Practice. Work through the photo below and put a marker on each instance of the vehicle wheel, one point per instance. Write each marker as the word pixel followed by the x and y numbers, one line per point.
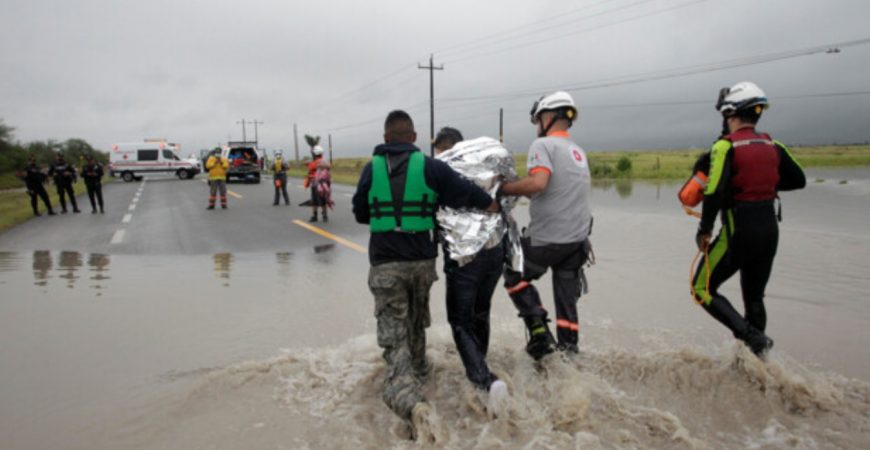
pixel 190 175
pixel 182 174
pixel 127 176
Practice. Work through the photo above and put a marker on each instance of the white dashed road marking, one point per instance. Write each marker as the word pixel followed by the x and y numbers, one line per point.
pixel 127 218
pixel 118 237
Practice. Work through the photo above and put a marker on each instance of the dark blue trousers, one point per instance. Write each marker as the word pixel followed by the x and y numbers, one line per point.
pixel 469 299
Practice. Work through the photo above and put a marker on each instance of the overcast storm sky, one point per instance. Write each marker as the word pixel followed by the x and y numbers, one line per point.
pixel 644 73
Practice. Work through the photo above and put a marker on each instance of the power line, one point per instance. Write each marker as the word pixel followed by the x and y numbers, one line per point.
pixel 585 30
pixel 501 36
pixel 671 73
pixel 616 106
pixel 452 49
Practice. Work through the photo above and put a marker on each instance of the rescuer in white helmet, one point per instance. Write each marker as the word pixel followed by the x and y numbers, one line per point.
pixel 558 184
pixel 747 170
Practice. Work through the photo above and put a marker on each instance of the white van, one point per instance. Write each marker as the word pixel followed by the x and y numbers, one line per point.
pixel 132 160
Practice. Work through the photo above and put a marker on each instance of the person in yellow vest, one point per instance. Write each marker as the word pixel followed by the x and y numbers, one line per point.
pixel 279 176
pixel 397 196
pixel 217 166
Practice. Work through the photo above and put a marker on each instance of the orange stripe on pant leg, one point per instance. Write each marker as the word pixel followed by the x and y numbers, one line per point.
pixel 519 287
pixel 562 323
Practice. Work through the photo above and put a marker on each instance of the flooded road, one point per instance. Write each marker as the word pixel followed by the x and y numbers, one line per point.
pixel 276 349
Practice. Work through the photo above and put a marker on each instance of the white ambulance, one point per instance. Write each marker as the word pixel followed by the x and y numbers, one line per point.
pixel 130 161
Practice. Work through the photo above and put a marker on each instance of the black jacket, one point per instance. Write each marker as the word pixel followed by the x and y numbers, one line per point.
pixel 92 174
pixel 453 191
pixel 34 178
pixel 63 173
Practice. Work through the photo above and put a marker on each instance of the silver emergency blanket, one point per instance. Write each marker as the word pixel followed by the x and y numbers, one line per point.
pixel 488 164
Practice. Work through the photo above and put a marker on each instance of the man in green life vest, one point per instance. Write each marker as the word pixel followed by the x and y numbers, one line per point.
pixel 397 196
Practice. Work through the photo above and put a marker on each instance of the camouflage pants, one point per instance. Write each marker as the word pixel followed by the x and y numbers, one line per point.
pixel 401 291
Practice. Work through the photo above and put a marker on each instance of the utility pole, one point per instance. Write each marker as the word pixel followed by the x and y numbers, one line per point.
pixel 330 149
pixel 296 142
pixel 501 125
pixel 431 68
pixel 256 135
pixel 244 135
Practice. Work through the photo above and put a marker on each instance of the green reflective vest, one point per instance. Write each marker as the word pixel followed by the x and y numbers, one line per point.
pixel 417 208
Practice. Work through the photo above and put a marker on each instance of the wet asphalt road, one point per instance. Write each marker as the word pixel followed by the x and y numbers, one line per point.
pixel 164 215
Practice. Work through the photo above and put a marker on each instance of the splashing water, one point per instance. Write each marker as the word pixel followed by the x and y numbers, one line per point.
pixel 650 397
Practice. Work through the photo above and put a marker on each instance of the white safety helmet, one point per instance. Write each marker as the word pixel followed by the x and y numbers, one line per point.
pixel 743 95
pixel 557 101
pixel 318 150
pixel 278 154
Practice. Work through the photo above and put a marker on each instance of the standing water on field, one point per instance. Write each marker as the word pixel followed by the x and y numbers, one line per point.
pixel 259 350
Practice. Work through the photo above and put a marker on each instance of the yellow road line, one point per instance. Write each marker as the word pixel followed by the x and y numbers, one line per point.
pixel 329 235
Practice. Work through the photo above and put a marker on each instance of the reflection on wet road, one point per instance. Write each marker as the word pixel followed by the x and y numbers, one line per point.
pixel 70 264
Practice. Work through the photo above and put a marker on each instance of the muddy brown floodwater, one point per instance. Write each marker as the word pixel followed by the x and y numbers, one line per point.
pixel 265 350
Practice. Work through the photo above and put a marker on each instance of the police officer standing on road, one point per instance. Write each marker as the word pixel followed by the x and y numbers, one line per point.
pixel 747 170
pixel 279 169
pixel 558 184
pixel 397 195
pixel 34 179
pixel 92 173
pixel 64 175
pixel 217 167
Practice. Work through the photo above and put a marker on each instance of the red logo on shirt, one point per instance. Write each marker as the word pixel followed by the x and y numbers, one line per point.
pixel 577 155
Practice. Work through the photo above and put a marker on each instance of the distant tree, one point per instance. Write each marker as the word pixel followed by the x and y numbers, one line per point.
pixel 5 133
pixel 12 156
pixel 623 165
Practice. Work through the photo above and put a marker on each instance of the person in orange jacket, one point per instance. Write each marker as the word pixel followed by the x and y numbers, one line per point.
pixel 316 198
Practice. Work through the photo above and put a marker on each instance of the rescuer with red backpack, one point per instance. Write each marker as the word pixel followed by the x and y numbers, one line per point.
pixel 746 171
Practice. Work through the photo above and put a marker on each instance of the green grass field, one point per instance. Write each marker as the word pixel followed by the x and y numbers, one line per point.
pixel 15 204
pixel 645 165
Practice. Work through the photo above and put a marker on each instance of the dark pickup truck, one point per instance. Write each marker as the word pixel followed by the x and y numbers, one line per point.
pixel 246 163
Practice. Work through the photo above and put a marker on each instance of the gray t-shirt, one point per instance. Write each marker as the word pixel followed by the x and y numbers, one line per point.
pixel 560 214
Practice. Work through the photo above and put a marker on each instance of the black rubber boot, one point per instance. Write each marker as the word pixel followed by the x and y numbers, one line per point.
pixel 722 310
pixel 540 339
pixel 757 341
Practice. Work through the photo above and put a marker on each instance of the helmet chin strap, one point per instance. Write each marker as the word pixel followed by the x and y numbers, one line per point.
pixel 543 132
pixel 725 130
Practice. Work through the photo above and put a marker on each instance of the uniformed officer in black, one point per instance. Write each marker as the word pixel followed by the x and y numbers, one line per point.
pixel 34 179
pixel 92 173
pixel 64 175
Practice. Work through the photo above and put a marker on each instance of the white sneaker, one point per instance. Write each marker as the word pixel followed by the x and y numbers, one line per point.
pixel 498 396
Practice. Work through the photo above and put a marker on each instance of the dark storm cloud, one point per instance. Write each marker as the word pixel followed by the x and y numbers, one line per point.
pixel 111 71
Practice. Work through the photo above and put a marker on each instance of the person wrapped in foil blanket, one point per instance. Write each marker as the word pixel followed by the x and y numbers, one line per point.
pixel 488 164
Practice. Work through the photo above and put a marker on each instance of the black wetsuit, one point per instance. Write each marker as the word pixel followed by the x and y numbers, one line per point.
pixel 747 170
